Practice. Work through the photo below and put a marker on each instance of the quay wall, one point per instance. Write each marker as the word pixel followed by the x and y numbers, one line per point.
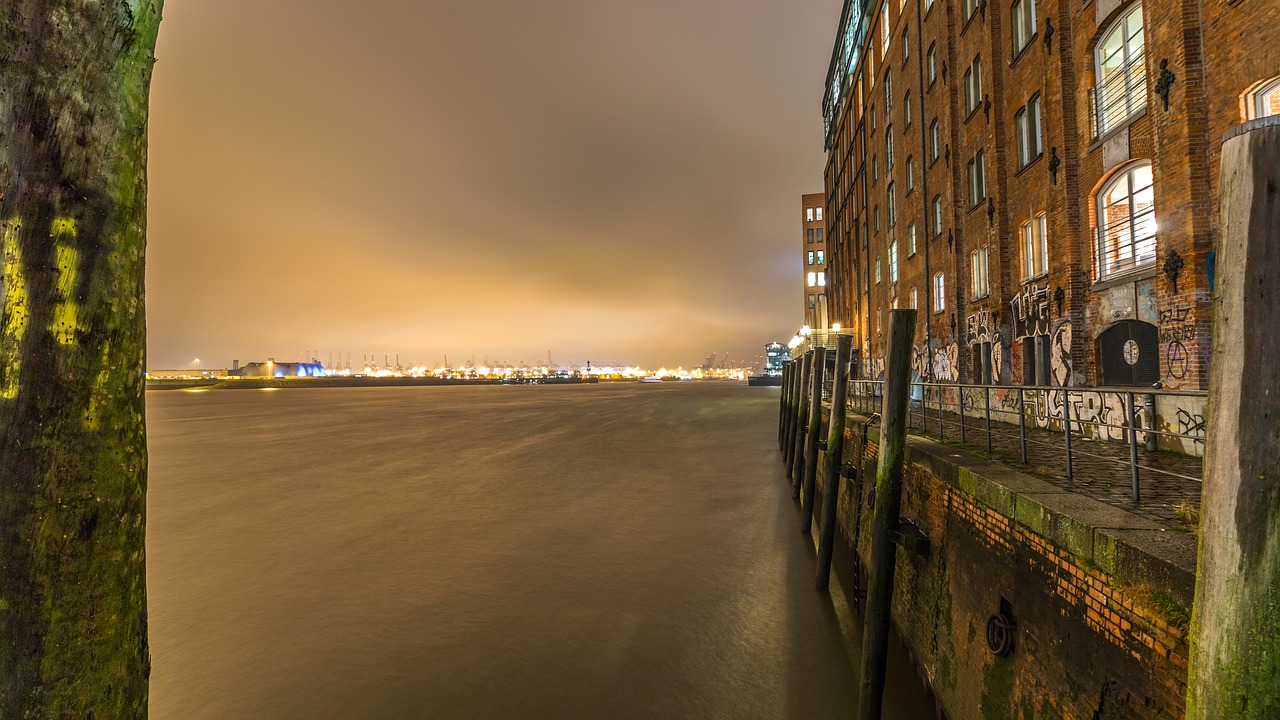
pixel 1098 598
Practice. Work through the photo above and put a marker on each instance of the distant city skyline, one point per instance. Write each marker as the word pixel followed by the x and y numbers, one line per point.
pixel 604 180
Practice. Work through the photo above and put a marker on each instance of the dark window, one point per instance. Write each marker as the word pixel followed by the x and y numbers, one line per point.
pixel 1035 360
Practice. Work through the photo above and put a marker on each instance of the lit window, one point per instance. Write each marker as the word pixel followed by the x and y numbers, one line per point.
pixel 1265 101
pixel 884 27
pixel 822 279
pixel 808 214
pixel 877 269
pixel 937 215
pixel 973 86
pixel 1127 221
pixel 813 279
pixel 1121 73
pixel 1024 23
pixel 893 261
pixel 1027 125
pixel 906 108
pixel 933 63
pixel 1035 247
pixel 939 293
pixel 818 212
pixel 978 269
pixel 934 141
pixel 812 300
pixel 914 299
pixel 810 257
pixel 911 175
pixel 977 180
pixel 820 260
pixel 892 206
pixel 911 239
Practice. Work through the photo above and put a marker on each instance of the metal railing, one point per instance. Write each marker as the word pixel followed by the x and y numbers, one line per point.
pixel 1119 96
pixel 1071 423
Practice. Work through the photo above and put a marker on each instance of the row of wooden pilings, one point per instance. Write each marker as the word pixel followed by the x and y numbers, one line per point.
pixel 799 430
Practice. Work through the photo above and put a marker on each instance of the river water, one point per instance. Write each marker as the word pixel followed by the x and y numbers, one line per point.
pixel 593 551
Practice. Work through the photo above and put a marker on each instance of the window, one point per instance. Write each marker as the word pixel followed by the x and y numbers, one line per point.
pixel 818 235
pixel 911 177
pixel 818 214
pixel 977 180
pixel 932 63
pixel 875 217
pixel 822 279
pixel 1121 73
pixel 906 108
pixel 906 51
pixel 1265 101
pixel 812 279
pixel 973 86
pixel 914 299
pixel 933 141
pixel 937 215
pixel 877 269
pixel 939 293
pixel 1035 247
pixel 809 235
pixel 820 258
pixel 888 147
pixel 1024 23
pixel 879 318
pixel 884 31
pixel 810 258
pixel 875 168
pixel 1127 221
pixel 812 300
pixel 969 8
pixel 808 214
pixel 892 206
pixel 1035 360
pixel 893 261
pixel 888 96
pixel 911 239
pixel 982 363
pixel 1027 125
pixel 981 286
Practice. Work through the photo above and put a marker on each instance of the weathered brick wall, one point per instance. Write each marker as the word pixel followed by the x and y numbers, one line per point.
pixel 1100 616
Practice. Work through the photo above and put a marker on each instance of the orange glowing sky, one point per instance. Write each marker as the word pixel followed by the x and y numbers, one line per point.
pixel 612 181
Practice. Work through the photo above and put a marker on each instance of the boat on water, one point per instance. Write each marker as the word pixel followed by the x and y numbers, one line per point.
pixel 765 379
pixel 650 379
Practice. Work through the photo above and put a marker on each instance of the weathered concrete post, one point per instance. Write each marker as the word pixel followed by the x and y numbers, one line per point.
pixel 893 440
pixel 811 437
pixel 835 459
pixel 1235 629
pixel 797 452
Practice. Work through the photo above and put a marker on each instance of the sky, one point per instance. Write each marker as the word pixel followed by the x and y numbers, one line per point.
pixel 602 180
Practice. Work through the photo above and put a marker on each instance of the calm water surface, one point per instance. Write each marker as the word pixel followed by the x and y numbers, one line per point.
pixel 610 551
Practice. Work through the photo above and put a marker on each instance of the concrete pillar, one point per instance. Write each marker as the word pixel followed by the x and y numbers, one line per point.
pixel 1235 654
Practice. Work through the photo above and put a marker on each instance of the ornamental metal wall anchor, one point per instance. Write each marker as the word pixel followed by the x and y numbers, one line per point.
pixel 1165 83
pixel 991 211
pixel 1048 35
pixel 1058 297
pixel 1054 162
pixel 982 8
pixel 986 106
pixel 950 241
pixel 1173 265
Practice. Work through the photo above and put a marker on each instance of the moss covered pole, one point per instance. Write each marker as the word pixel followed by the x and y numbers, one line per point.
pixel 834 460
pixel 814 424
pixel 74 86
pixel 1235 628
pixel 801 421
pixel 893 444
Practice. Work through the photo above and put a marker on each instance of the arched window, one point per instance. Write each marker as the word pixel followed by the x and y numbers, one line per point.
pixel 1127 221
pixel 1265 101
pixel 1121 89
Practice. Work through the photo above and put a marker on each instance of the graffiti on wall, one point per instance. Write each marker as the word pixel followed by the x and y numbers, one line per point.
pixel 1031 314
pixel 980 327
pixel 1060 355
pixel 946 363
pixel 1177 328
pixel 1192 425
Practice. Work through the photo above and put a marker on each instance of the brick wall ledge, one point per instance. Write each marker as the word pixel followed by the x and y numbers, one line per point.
pixel 1129 548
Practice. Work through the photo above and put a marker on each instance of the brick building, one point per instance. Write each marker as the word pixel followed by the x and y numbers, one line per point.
pixel 1038 178
pixel 813 247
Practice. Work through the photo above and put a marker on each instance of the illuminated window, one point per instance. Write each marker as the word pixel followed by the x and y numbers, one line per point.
pixel 933 63
pixel 977 180
pixel 939 293
pixel 973 86
pixel 911 239
pixel 1127 221
pixel 877 269
pixel 1027 126
pixel 822 279
pixel 808 214
pixel 1265 101
pixel 978 268
pixel 812 301
pixel 934 141
pixel 914 299
pixel 937 215
pixel 1024 23
pixel 893 261
pixel 1121 73
pixel 884 27
pixel 1035 247
pixel 818 212
pixel 813 279
pixel 810 257
pixel 820 259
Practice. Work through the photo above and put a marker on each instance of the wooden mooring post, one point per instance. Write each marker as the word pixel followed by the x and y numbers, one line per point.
pixel 793 407
pixel 811 438
pixel 784 399
pixel 834 460
pixel 797 451
pixel 893 440
pixel 1235 628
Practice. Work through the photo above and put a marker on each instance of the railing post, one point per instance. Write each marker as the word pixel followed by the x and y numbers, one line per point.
pixel 1133 448
pixel 986 401
pixel 811 445
pixel 835 461
pixel 942 431
pixel 1066 427
pixel 960 404
pixel 1022 423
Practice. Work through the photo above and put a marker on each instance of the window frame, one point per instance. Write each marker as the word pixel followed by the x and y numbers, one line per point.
pixel 979 273
pixel 1035 247
pixel 1137 260
pixel 939 292
pixel 1132 63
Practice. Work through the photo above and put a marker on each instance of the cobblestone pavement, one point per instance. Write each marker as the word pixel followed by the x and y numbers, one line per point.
pixel 1100 469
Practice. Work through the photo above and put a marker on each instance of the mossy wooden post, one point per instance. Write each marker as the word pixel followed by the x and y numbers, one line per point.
pixel 814 427
pixel 834 460
pixel 893 442
pixel 793 398
pixel 74 87
pixel 782 405
pixel 1235 628
pixel 802 410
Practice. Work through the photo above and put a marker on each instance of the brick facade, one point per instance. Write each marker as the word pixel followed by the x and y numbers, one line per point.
pixel 1128 310
pixel 813 249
